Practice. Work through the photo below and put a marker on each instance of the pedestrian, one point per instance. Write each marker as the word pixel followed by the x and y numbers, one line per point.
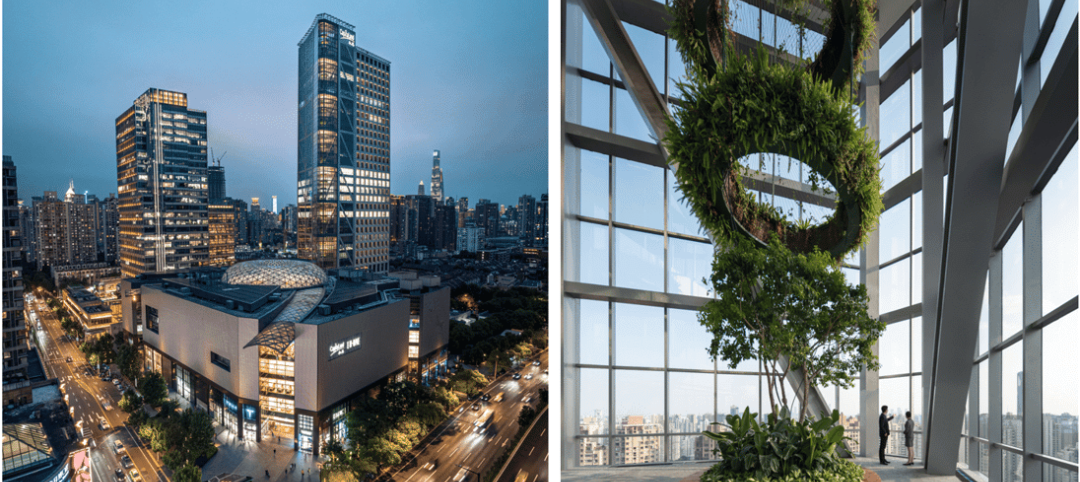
pixel 275 453
pixel 909 438
pixel 883 432
pixel 268 473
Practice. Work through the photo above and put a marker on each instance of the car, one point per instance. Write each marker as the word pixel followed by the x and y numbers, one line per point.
pixel 431 466
pixel 106 379
pixel 499 397
pixel 116 381
pixel 126 462
pixel 461 475
pixel 106 405
pixel 527 399
pixel 485 397
pixel 529 376
pixel 104 425
pixel 135 475
pixel 120 474
pixel 476 406
pixel 69 359
pixel 517 376
pixel 536 363
pixel 118 446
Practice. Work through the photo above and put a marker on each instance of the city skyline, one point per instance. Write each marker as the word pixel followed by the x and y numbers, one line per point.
pixel 251 99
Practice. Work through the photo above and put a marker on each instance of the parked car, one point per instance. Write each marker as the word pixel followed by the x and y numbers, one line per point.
pixel 69 359
pixel 118 446
pixel 536 363
pixel 116 381
pixel 104 425
pixel 517 376
pixel 476 406
pixel 126 462
pixel 485 397
pixel 135 475
pixel 120 474
pixel 529 376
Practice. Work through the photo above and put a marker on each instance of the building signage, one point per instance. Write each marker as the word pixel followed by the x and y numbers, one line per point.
pixel 342 347
pixel 347 36
pixel 230 404
pixel 249 412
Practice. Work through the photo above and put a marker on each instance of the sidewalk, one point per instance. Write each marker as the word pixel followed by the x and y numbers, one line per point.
pixel 242 457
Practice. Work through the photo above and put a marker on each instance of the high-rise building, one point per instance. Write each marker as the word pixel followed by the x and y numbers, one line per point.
pixel 241 214
pixel 420 190
pixel 274 205
pixel 288 225
pixel 343 160
pixel 66 230
pixel 470 238
pixel 542 221
pixel 488 217
pixel 222 234
pixel 162 184
pixel 445 226
pixel 216 174
pixel 526 217
pixel 462 211
pixel 17 389
pixel 422 231
pixel 436 178
pixel 399 217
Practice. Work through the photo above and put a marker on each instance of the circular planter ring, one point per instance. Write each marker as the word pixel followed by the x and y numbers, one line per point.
pixel 736 105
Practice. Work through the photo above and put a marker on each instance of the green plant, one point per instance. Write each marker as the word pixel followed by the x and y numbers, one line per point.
pixel 779 446
pixel 738 104
pixel 153 389
pixel 790 311
pixel 188 473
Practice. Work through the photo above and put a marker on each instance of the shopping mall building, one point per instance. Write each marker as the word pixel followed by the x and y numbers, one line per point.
pixel 281 347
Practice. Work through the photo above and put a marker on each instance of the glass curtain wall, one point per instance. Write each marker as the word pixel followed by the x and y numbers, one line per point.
pixel 639 386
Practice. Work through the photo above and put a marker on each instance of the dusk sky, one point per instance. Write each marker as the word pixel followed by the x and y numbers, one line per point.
pixel 467 78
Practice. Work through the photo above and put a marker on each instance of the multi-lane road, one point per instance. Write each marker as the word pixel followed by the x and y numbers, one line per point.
pixel 530 463
pixel 85 396
pixel 460 450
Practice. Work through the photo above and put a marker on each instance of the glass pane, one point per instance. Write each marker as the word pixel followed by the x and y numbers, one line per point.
pixel 916 149
pixel 1059 388
pixel 680 218
pixel 639 399
pixel 593 339
pixel 676 70
pixel 984 400
pixel 896 166
pixel 916 279
pixel 895 393
pixel 948 73
pixel 917 410
pixel 916 98
pixel 895 47
pixel 1059 238
pixel 1012 466
pixel 593 401
pixel 1057 39
pixel 689 341
pixel 639 194
pixel 984 320
pixel 894 234
pixel 916 221
pixel 594 58
pixel 745 19
pixel 628 119
pixel 686 448
pixel 916 344
pixel 1012 383
pixel 894 286
pixel 594 254
pixel 1012 284
pixel 639 260
pixel 689 267
pixel 1014 135
pixel 593 451
pixel 690 401
pixel 734 393
pixel 894 348
pixel 594 184
pixel 595 105
pixel 639 335
pixel 637 450
pixel 650 48
pixel 895 117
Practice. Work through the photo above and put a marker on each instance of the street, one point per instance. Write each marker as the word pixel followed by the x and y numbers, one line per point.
pixel 530 462
pixel 458 450
pixel 84 395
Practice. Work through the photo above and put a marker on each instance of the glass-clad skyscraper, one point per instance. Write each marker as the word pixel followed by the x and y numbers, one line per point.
pixel 162 184
pixel 343 158
pixel 436 178
pixel 973 266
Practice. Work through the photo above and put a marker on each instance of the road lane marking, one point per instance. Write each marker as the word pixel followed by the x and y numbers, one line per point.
pixel 531 451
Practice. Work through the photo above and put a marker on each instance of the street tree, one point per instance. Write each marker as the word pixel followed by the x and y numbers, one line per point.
pixel 188 473
pixel 154 389
pixel 191 435
pixel 131 402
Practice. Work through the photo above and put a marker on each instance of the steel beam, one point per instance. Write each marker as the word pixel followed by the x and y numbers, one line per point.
pixel 988 33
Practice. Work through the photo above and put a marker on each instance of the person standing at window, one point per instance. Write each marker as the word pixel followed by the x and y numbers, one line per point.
pixel 883 431
pixel 909 438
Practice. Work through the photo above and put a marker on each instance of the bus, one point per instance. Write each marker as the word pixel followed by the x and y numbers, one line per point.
pixel 482 421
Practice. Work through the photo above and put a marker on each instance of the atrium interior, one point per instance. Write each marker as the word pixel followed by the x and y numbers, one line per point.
pixel 973 266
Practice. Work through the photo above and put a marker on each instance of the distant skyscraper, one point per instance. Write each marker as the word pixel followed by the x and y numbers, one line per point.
pixel 470 238
pixel 17 389
pixel 343 160
pixel 526 216
pixel 66 230
pixel 162 184
pixel 462 211
pixel 487 217
pixel 222 234
pixel 436 178
pixel 399 217
pixel 420 190
pixel 274 206
pixel 542 221
pixel 217 183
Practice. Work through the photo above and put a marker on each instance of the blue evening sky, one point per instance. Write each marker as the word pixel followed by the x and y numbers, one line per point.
pixel 468 78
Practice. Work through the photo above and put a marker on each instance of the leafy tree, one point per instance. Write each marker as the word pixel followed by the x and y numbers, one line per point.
pixel 127 358
pixel 190 435
pixel 382 452
pixel 137 419
pixel 339 460
pixel 468 381
pixel 542 395
pixel 104 347
pixel 428 414
pixel 495 357
pixel 446 398
pixel 370 419
pixel 792 312
pixel 154 389
pixel 168 408
pixel 188 473
pixel 526 416
pixel 131 402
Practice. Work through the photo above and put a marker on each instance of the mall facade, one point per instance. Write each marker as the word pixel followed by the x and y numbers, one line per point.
pixel 281 348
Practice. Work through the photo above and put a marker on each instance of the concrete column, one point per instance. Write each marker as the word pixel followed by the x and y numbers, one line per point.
pixel 994 379
pixel 1033 369
pixel 870 90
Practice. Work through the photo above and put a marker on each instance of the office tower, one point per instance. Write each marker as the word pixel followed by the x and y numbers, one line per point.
pixel 542 221
pixel 110 226
pixel 288 225
pixel 343 161
pixel 162 184
pixel 26 230
pixel 222 234
pixel 17 389
pixel 240 208
pixel 526 217
pixel 274 205
pixel 422 231
pixel 436 178
pixel 462 211
pixel 65 230
pixel 398 219
pixel 216 174
pixel 420 190
pixel 445 226
pixel 487 217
